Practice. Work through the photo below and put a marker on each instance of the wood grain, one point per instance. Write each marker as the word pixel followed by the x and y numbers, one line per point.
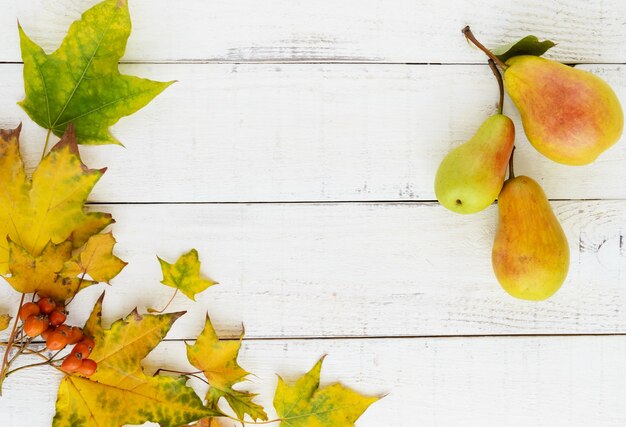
pixel 326 30
pixel 309 133
pixel 364 270
pixel 539 381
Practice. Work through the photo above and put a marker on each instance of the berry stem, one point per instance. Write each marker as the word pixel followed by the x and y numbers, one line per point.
pixel 470 36
pixel 496 73
pixel 5 359
pixel 48 361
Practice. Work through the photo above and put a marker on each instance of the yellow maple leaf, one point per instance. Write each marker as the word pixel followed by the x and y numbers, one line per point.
pixel 96 260
pixel 40 274
pixel 218 360
pixel 119 392
pixel 305 404
pixel 55 273
pixel 185 274
pixel 48 208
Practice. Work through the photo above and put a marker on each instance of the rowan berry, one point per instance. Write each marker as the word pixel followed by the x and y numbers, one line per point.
pixel 76 334
pixel 28 309
pixel 56 340
pixel 87 367
pixel 46 305
pixel 36 324
pixel 71 363
pixel 57 317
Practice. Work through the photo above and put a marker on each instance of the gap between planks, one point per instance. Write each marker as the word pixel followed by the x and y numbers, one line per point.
pixel 320 202
pixel 317 62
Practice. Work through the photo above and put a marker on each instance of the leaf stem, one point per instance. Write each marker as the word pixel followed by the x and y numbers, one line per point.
pixel 496 73
pixel 176 372
pixel 470 36
pixel 277 420
pixel 153 310
pixel 5 359
pixel 45 146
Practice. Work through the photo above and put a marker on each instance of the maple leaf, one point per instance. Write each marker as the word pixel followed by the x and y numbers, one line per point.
pixel 96 260
pixel 41 274
pixel 48 208
pixel 185 274
pixel 218 360
pixel 304 404
pixel 80 82
pixel 119 392
pixel 5 320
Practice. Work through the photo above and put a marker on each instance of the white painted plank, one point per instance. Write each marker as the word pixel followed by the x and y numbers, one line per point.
pixel 328 30
pixel 306 270
pixel 538 381
pixel 309 133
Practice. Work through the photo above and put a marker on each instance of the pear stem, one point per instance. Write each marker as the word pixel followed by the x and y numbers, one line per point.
pixel 496 73
pixel 511 171
pixel 470 36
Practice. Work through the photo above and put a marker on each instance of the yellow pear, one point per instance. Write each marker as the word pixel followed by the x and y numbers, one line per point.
pixel 530 253
pixel 470 177
pixel 569 115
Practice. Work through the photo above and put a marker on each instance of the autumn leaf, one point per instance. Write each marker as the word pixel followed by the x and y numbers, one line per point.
pixel 40 274
pixel 185 274
pixel 218 360
pixel 96 260
pixel 304 404
pixel 5 320
pixel 119 392
pixel 80 82
pixel 48 208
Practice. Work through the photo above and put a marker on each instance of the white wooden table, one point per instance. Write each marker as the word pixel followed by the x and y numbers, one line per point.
pixel 297 154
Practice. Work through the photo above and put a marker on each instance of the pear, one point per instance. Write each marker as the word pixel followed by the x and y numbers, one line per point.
pixel 470 177
pixel 530 253
pixel 570 116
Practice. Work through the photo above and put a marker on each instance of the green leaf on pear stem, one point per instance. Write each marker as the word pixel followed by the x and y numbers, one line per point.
pixel 529 45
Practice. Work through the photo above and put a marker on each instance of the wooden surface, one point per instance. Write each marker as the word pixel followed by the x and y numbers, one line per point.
pixel 297 153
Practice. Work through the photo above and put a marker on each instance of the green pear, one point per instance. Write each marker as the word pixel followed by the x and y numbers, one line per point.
pixel 471 176
pixel 570 116
pixel 530 252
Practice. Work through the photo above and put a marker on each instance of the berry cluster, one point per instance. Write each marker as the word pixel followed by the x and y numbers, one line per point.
pixel 46 318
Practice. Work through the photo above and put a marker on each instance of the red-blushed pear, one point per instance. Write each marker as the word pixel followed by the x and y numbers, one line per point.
pixel 470 177
pixel 530 253
pixel 569 115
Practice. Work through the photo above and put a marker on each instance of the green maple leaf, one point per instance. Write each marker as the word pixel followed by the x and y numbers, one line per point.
pixel 80 82
pixel 305 404
pixel 185 274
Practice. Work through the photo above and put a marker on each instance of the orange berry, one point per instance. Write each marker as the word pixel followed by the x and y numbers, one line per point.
pixel 28 309
pixel 35 325
pixel 57 317
pixel 65 330
pixel 87 367
pixel 81 350
pixel 47 332
pixel 76 334
pixel 56 341
pixel 46 305
pixel 71 363
pixel 90 343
